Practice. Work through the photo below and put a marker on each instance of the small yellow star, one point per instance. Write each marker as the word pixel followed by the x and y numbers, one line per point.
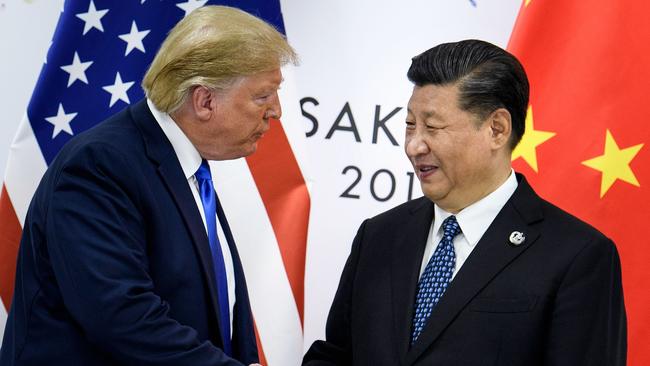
pixel 528 2
pixel 529 142
pixel 614 164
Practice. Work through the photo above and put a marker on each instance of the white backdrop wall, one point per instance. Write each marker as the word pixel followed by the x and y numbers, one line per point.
pixel 344 106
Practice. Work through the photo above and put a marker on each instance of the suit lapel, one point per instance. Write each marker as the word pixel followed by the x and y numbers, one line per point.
pixel 407 253
pixel 160 151
pixel 492 253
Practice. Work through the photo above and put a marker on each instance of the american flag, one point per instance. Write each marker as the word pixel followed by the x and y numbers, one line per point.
pixel 93 69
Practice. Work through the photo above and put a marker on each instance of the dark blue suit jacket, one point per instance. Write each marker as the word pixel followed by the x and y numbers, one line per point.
pixel 114 266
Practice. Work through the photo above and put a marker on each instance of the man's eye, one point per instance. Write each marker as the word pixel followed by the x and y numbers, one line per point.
pixel 262 98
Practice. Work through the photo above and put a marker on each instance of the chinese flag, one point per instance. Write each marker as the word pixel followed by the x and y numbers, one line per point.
pixel 587 141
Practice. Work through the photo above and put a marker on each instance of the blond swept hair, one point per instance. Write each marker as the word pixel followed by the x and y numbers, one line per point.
pixel 213 47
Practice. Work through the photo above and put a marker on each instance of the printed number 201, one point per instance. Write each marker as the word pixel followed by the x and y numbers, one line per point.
pixel 379 174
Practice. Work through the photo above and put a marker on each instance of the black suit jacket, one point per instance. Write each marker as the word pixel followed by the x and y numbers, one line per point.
pixel 114 266
pixel 555 299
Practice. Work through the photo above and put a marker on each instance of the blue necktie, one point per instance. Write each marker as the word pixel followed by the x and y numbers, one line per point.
pixel 436 277
pixel 209 201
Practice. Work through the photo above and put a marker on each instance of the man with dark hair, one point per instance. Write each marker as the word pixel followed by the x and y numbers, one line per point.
pixel 480 271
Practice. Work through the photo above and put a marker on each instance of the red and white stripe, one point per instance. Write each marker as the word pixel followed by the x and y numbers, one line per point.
pixel 267 204
pixel 25 167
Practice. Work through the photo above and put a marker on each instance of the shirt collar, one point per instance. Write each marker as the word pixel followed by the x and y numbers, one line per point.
pixel 187 155
pixel 475 219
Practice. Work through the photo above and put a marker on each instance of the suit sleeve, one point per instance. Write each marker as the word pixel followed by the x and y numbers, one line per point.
pixel 337 348
pixel 588 325
pixel 97 243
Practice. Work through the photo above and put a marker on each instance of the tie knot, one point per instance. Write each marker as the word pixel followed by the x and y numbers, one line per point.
pixel 450 227
pixel 203 173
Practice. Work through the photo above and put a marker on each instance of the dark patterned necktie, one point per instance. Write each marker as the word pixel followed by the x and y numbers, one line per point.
pixel 436 277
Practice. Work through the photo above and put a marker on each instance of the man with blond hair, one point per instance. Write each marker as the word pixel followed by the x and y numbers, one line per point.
pixel 126 256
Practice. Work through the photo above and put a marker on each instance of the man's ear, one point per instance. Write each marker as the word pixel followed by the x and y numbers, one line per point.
pixel 500 128
pixel 203 102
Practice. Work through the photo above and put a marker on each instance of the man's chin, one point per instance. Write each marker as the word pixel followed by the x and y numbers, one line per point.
pixel 250 150
pixel 232 155
pixel 435 194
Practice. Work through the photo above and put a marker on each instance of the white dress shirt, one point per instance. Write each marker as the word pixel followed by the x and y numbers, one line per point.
pixel 474 220
pixel 190 160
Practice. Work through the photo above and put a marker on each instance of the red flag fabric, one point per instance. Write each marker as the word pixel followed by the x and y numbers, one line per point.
pixel 287 203
pixel 587 130
pixel 9 241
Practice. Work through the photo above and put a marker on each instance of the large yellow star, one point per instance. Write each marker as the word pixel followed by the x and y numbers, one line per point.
pixel 614 164
pixel 529 142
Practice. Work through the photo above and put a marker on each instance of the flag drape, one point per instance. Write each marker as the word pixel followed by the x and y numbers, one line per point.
pixel 585 147
pixel 94 67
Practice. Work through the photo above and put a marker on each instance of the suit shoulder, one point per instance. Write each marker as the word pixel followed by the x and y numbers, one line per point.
pixel 114 148
pixel 565 225
pixel 109 140
pixel 403 210
pixel 118 131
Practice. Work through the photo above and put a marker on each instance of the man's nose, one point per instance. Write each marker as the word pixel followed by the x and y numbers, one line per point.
pixel 415 145
pixel 274 110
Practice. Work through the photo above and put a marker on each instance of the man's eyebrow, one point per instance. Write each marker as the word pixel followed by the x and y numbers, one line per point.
pixel 426 114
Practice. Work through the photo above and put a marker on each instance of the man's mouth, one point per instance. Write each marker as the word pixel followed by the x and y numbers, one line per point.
pixel 425 170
